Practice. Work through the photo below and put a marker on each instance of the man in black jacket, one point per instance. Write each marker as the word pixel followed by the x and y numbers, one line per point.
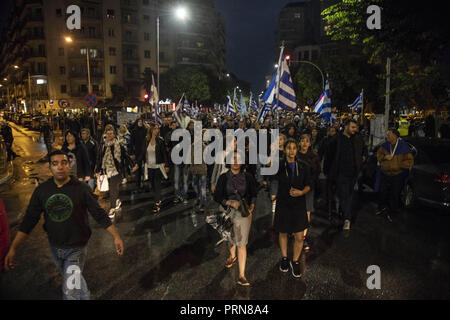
pixel 137 143
pixel 8 137
pixel 92 150
pixel 344 158
pixel 65 202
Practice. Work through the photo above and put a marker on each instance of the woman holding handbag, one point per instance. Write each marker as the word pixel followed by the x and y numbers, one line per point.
pixel 233 189
pixel 110 165
pixel 293 180
pixel 155 157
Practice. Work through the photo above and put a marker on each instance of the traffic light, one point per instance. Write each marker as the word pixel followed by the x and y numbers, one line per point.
pixel 288 57
pixel 146 97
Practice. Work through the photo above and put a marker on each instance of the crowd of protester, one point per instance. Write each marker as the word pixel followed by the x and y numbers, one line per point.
pixel 308 147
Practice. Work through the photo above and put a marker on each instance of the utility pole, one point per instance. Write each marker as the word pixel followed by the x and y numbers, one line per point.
pixel 388 89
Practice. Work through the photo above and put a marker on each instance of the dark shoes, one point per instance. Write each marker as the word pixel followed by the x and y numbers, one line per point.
pixel 295 266
pixel 284 265
pixel 230 262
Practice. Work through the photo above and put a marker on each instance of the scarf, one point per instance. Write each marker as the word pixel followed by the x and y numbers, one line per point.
pixel 108 163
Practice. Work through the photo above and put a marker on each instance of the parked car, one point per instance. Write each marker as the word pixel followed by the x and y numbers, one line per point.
pixel 429 180
pixel 36 122
pixel 26 121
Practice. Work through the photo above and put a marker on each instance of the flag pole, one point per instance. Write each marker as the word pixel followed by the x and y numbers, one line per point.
pixel 278 80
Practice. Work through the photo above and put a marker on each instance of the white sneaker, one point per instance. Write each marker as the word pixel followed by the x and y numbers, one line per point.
pixel 347 225
pixel 124 181
pixel 118 204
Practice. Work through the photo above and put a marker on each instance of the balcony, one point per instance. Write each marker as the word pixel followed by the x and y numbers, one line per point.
pixel 79 55
pixel 83 75
pixel 82 94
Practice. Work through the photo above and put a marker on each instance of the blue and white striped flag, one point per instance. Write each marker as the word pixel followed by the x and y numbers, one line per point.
pixel 230 108
pixel 286 93
pixel 323 105
pixel 358 104
pixel 178 110
pixel 263 112
pixel 252 103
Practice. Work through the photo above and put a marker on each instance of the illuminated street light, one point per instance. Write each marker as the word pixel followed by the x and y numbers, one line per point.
pixel 181 13
pixel 68 39
pixel 16 67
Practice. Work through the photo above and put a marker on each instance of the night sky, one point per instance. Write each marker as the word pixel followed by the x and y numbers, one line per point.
pixel 250 30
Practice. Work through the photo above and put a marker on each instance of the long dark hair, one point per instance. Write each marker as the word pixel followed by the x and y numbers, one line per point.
pixel 73 133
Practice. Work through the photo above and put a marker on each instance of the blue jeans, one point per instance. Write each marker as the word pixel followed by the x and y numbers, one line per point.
pixel 199 184
pixel 70 263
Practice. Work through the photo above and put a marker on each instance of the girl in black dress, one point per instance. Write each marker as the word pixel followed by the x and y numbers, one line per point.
pixel 293 181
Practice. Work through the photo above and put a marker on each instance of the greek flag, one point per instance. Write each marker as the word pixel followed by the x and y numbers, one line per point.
pixel 252 103
pixel 263 112
pixel 323 105
pixel 286 93
pixel 178 110
pixel 230 108
pixel 358 104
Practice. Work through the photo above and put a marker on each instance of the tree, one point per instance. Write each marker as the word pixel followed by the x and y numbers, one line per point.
pixel 415 37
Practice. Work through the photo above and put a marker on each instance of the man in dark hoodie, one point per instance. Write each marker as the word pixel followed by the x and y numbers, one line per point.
pixel 65 202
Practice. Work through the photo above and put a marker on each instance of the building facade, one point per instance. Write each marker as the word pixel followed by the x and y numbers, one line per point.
pixel 118 40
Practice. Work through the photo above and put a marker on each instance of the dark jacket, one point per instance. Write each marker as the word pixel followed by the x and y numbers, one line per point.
pixel 6 132
pixel 137 137
pixel 312 159
pixel 221 195
pixel 160 152
pixel 283 181
pixel 92 150
pixel 333 153
pixel 82 158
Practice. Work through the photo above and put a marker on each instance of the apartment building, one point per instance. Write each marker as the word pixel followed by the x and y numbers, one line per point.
pixel 40 70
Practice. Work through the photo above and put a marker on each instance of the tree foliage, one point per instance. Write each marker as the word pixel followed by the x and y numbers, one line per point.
pixel 414 35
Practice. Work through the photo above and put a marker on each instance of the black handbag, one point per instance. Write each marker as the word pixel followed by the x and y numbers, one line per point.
pixel 244 208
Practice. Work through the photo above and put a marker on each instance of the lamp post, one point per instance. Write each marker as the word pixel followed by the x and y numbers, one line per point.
pixel 181 13
pixel 314 65
pixel 70 40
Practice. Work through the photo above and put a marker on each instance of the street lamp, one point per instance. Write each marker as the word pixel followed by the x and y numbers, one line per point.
pixel 70 40
pixel 182 14
pixel 314 65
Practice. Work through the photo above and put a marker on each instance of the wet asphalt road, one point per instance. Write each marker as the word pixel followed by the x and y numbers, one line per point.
pixel 173 255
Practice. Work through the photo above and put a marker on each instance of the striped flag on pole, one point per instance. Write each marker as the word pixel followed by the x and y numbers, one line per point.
pixel 253 105
pixel 358 104
pixel 178 110
pixel 263 112
pixel 323 105
pixel 230 108
pixel 285 94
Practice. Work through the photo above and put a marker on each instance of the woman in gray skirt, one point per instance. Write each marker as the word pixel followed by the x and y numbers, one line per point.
pixel 232 186
pixel 308 155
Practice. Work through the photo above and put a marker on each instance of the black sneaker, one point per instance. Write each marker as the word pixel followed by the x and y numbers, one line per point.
pixel 177 200
pixel 295 266
pixel 284 265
